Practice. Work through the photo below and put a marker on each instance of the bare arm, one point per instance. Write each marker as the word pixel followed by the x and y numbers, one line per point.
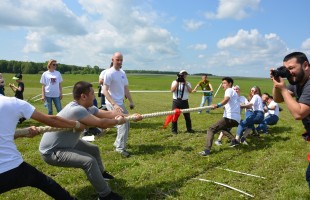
pixel 107 95
pixel 174 86
pixel 211 88
pixel 60 91
pixel 94 121
pixel 128 95
pixel 195 89
pixel 223 102
pixel 298 110
pixel 43 92
pixel 55 121
pixel 189 88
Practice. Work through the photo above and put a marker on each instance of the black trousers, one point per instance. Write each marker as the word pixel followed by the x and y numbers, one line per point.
pixel 181 104
pixel 27 175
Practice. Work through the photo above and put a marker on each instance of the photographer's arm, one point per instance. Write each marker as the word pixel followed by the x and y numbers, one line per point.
pixel 189 88
pixel 174 86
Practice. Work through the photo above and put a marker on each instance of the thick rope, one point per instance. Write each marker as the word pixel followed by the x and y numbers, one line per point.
pixel 43 129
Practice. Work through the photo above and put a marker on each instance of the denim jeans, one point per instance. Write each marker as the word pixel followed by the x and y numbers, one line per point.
pixel 269 120
pixel 27 175
pixel 203 101
pixel 256 117
pixel 57 103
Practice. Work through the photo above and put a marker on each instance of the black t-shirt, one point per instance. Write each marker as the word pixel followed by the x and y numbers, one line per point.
pixel 302 94
pixel 19 94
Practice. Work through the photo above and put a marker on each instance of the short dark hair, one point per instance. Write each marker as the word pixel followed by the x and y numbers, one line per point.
pixel 229 80
pixel 301 57
pixel 81 87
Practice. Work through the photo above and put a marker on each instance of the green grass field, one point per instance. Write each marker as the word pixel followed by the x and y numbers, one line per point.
pixel 163 166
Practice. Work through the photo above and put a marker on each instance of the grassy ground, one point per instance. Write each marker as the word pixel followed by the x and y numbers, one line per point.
pixel 163 166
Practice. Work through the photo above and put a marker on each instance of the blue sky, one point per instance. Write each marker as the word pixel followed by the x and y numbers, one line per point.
pixel 220 37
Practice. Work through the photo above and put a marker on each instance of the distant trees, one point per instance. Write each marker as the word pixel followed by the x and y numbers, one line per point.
pixel 24 67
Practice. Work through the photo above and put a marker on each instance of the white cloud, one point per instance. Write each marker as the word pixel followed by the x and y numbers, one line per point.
pixel 53 30
pixel 191 25
pixel 248 53
pixel 199 47
pixel 306 44
pixel 235 9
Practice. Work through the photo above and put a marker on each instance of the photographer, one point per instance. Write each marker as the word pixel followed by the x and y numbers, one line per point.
pixel 297 73
pixel 180 89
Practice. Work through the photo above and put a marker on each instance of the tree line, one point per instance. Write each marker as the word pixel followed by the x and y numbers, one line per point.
pixel 25 67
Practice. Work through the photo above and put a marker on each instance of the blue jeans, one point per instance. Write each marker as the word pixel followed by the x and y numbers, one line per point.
pixel 203 101
pixel 256 117
pixel 50 106
pixel 269 120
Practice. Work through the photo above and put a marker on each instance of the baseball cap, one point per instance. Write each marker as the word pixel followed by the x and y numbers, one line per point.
pixel 183 72
pixel 18 76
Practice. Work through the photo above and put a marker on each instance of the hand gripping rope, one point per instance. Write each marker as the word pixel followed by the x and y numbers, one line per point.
pixel 43 129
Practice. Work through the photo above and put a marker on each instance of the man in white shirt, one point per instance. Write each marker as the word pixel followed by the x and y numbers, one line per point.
pixel 231 116
pixel 115 90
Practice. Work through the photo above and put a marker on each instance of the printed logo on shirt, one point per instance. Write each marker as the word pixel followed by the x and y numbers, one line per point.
pixel 53 80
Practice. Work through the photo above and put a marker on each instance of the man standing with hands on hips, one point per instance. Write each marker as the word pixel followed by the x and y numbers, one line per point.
pixel 115 89
pixel 297 71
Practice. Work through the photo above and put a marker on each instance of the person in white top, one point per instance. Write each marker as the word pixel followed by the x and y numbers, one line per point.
pixel 242 101
pixel 14 171
pixel 115 90
pixel 180 89
pixel 51 86
pixel 272 111
pixel 231 116
pixel 101 83
pixel 256 117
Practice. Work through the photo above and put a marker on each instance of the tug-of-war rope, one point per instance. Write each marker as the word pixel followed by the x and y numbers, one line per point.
pixel 171 116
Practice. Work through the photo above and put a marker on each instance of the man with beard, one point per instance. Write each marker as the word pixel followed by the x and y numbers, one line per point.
pixel 298 71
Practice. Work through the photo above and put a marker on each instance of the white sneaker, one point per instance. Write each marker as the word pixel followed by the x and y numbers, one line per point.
pixel 218 142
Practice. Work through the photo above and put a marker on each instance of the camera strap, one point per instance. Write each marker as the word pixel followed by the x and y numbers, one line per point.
pixel 181 88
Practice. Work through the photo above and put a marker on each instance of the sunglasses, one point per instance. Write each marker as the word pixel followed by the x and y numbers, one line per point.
pixel 55 65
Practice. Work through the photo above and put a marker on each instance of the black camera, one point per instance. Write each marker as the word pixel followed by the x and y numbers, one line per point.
pixel 181 78
pixel 281 72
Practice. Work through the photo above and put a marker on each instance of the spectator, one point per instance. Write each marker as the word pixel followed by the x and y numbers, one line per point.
pixel 2 84
pixel 271 116
pixel 101 83
pixel 19 90
pixel 115 89
pixel 14 172
pixel 51 87
pixel 231 116
pixel 181 88
pixel 207 91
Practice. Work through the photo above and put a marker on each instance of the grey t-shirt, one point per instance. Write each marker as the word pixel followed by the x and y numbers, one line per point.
pixel 302 94
pixel 65 139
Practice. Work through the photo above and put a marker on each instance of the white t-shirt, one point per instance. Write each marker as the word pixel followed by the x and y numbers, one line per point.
pixel 275 111
pixel 178 92
pixel 243 100
pixel 51 81
pixel 257 103
pixel 232 107
pixel 116 80
pixel 12 109
pixel 101 77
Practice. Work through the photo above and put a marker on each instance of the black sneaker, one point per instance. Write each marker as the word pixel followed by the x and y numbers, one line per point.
pixel 234 143
pixel 205 152
pixel 111 196
pixel 107 176
pixel 190 131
